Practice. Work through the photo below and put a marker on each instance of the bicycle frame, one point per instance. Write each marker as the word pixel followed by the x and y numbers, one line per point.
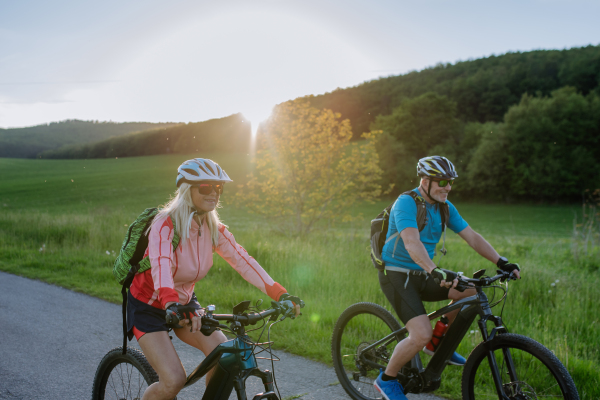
pixel 430 377
pixel 235 362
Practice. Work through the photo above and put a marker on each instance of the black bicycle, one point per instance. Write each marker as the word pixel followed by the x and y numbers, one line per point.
pixel 503 366
pixel 126 376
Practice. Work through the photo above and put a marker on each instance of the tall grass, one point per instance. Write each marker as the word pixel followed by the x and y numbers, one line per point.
pixel 73 244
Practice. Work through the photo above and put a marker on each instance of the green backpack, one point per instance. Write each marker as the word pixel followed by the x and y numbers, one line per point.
pixel 131 261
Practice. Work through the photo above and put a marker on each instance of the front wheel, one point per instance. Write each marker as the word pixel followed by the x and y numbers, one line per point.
pixel 123 376
pixel 359 326
pixel 527 370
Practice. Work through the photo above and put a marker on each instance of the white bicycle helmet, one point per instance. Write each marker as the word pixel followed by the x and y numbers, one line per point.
pixel 436 167
pixel 200 169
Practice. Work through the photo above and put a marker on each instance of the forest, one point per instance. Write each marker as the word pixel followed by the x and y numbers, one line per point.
pixel 229 134
pixel 518 126
pixel 29 142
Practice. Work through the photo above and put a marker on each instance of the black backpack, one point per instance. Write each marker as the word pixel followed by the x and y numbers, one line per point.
pixel 380 225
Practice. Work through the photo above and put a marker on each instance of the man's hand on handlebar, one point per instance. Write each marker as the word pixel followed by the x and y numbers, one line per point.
pixel 507 266
pixel 444 277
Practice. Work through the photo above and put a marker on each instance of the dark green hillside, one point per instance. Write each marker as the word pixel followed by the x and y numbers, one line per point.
pixel 28 142
pixel 483 89
pixel 230 134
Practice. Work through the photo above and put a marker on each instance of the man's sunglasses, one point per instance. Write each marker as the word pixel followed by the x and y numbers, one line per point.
pixel 444 182
pixel 207 188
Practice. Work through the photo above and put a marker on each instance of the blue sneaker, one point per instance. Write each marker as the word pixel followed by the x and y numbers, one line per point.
pixel 390 390
pixel 456 358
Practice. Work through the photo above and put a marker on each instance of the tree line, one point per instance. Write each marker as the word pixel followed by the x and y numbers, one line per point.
pixel 518 126
pixel 544 148
pixel 229 134
pixel 482 89
pixel 29 142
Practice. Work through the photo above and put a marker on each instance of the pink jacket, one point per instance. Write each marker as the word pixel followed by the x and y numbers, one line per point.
pixel 173 275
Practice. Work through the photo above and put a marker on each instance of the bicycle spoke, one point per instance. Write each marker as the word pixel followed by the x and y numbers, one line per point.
pixel 357 361
pixel 532 379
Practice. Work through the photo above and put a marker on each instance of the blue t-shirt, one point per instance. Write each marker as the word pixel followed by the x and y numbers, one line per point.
pixel 404 215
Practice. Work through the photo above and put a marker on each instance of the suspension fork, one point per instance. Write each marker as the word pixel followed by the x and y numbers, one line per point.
pixel 507 357
pixel 239 382
pixel 266 377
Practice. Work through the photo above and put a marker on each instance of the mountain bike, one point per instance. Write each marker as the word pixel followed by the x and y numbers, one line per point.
pixel 504 366
pixel 126 376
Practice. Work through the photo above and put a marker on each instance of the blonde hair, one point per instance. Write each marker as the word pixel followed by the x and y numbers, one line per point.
pixel 181 210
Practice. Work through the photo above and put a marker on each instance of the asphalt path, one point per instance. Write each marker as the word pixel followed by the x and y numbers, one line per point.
pixel 52 339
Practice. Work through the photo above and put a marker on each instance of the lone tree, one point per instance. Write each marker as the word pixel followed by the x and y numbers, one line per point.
pixel 308 171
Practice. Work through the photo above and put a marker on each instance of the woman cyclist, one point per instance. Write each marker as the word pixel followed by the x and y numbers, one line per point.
pixel 169 283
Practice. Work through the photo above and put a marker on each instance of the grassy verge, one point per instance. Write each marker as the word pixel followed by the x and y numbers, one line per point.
pixel 67 232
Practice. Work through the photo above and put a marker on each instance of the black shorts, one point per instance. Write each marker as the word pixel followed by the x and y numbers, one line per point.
pixel 145 318
pixel 408 301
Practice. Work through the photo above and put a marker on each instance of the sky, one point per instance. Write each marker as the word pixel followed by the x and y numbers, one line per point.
pixel 193 60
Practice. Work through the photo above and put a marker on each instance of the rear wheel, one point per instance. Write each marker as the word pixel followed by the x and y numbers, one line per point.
pixel 527 370
pixel 359 326
pixel 123 376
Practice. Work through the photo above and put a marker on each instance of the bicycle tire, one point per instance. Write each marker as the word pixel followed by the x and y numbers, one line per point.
pixel 361 324
pixel 539 374
pixel 123 376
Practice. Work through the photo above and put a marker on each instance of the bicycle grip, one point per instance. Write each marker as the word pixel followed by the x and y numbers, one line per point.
pixel 462 285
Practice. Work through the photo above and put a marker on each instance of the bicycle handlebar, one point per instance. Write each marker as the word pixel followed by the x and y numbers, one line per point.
pixel 248 319
pixel 210 321
pixel 465 283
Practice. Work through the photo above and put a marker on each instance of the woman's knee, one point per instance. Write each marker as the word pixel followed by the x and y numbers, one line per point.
pixel 172 382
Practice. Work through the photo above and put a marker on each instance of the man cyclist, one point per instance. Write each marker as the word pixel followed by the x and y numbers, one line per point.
pixel 409 274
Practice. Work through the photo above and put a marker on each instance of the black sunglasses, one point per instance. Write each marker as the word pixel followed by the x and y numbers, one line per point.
pixel 207 188
pixel 444 182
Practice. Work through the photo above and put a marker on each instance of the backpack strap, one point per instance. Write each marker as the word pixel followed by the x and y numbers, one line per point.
pixel 129 279
pixel 421 209
pixel 445 214
pixel 422 216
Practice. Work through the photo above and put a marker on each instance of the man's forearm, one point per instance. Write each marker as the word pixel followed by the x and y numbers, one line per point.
pixel 481 246
pixel 419 255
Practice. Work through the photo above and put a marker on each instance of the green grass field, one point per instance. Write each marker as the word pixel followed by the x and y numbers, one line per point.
pixel 63 221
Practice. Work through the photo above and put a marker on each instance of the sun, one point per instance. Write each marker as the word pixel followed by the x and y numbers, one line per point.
pixel 257 114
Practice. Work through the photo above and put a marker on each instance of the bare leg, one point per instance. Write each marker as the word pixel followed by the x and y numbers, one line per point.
pixel 161 355
pixel 419 334
pixel 206 344
pixel 456 295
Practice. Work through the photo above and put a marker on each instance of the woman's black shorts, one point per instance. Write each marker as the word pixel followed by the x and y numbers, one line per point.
pixel 408 302
pixel 146 318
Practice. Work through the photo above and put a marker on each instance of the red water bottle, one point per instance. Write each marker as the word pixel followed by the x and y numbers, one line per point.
pixel 438 333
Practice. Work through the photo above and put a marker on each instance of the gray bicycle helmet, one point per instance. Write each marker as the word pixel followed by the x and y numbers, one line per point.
pixel 200 169
pixel 436 167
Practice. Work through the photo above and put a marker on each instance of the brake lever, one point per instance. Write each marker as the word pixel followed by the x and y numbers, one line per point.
pixel 505 275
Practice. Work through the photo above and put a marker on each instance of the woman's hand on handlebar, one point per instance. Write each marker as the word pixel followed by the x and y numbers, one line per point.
pixel 296 301
pixel 196 323
pixel 179 316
